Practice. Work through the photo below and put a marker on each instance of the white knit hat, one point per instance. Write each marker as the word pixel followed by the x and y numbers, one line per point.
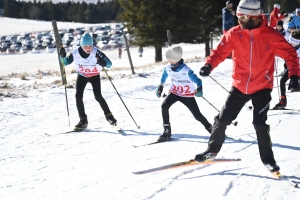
pixel 174 54
pixel 277 6
pixel 249 7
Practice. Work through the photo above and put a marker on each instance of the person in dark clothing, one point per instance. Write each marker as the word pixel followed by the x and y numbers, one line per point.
pixel 227 17
pixel 88 59
pixel 294 40
pixel 183 90
pixel 254 47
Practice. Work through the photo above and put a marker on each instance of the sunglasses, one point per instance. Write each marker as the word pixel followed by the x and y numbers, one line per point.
pixel 245 17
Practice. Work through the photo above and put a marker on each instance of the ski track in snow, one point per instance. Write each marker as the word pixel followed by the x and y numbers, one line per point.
pixel 246 146
pixel 230 184
pixel 174 179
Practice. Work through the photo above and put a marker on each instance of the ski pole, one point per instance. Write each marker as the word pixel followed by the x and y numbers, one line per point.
pixel 62 67
pixel 234 123
pixel 120 96
pixel 275 66
pixel 249 107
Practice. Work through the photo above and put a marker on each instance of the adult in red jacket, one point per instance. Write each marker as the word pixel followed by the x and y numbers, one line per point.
pixel 275 15
pixel 254 47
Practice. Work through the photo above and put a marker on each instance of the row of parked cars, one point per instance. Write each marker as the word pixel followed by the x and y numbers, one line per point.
pixel 108 36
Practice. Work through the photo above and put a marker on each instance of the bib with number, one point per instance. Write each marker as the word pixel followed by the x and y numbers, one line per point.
pixel 182 85
pixel 87 67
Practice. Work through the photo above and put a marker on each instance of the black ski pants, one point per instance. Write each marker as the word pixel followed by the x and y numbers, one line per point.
pixel 233 105
pixel 189 102
pixel 283 80
pixel 80 86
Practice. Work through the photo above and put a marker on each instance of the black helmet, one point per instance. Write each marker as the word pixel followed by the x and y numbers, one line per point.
pixel 279 23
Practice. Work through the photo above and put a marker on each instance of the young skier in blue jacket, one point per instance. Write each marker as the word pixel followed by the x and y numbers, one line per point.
pixel 183 89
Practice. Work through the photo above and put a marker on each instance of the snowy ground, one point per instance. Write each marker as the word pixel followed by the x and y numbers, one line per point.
pixel 98 163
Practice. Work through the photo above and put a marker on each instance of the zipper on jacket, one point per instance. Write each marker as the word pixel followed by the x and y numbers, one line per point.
pixel 250 65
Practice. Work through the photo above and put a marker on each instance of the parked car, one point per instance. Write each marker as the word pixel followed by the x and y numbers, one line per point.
pixel 4 47
pixel 103 44
pixel 67 40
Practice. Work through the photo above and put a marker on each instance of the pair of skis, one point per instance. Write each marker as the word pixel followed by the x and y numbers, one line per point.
pixel 290 109
pixel 117 128
pixel 175 139
pixel 276 175
pixel 191 162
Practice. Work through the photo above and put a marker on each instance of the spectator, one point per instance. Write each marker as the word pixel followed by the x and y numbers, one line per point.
pixel 227 17
pixel 120 51
pixel 141 51
pixel 275 15
pixel 295 21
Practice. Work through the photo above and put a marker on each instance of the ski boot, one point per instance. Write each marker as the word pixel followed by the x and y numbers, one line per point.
pixel 167 133
pixel 110 118
pixel 272 168
pixel 282 103
pixel 206 155
pixel 82 124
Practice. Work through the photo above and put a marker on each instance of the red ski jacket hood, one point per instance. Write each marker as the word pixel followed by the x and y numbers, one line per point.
pixel 253 56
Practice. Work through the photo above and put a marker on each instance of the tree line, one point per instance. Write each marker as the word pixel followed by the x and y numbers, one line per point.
pixel 101 12
pixel 189 21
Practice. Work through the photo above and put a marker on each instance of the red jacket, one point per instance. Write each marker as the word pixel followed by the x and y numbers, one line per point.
pixel 274 17
pixel 253 56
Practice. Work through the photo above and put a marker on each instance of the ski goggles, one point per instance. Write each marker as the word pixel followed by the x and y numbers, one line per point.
pixel 245 17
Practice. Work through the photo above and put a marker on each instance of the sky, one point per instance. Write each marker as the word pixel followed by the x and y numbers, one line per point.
pixel 98 163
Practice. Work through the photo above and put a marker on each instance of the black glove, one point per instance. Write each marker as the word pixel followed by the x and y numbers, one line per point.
pixel 282 12
pixel 101 62
pixel 294 84
pixel 159 90
pixel 205 70
pixel 62 52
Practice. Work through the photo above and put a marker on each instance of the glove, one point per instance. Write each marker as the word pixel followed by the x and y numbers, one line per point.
pixel 283 12
pixel 199 92
pixel 205 70
pixel 101 62
pixel 62 52
pixel 294 84
pixel 159 90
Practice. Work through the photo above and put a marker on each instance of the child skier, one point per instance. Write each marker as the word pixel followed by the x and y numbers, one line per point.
pixel 294 40
pixel 88 59
pixel 183 89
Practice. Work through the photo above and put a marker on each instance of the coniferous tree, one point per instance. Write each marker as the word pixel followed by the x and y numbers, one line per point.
pixel 9 8
pixel 188 21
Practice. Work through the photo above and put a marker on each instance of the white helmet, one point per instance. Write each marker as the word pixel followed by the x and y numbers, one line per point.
pixel 277 6
pixel 297 10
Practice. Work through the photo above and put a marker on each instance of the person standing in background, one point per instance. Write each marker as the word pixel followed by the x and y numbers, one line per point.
pixel 120 51
pixel 275 15
pixel 227 17
pixel 295 21
pixel 141 51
